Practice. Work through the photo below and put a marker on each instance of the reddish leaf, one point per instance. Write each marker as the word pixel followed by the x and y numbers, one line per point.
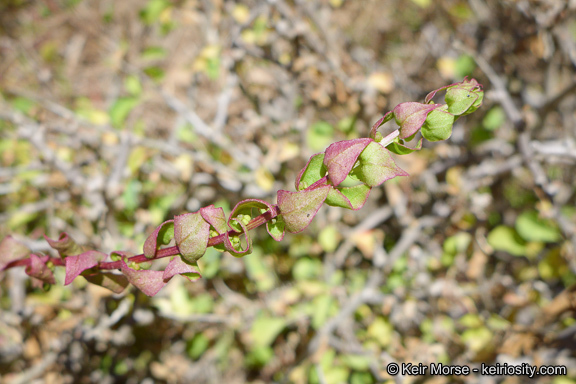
pixel 191 233
pixel 38 269
pixel 299 208
pixel 149 282
pixel 77 264
pixel 65 245
pixel 11 250
pixel 239 252
pixel 410 116
pixel 341 156
pixel 215 217
pixel 161 236
pixel 177 266
pixel 115 283
pixel 387 117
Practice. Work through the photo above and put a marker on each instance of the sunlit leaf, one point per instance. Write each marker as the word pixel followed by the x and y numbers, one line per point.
pixel 299 208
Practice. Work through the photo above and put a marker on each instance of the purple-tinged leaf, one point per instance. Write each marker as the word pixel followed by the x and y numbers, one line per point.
pixel 401 149
pixel 410 116
pixel 177 266
pixel 238 251
pixel 299 208
pixel 276 228
pixel 65 245
pixel 376 166
pixel 215 217
pixel 38 269
pixel 149 282
pixel 115 283
pixel 77 264
pixel 349 197
pixel 11 250
pixel 161 236
pixel 191 233
pixel 312 172
pixel 384 119
pixel 245 207
pixel 341 156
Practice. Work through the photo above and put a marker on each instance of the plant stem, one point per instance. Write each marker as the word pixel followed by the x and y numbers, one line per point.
pixel 173 251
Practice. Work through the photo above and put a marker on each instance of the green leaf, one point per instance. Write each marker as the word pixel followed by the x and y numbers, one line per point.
pixel 349 197
pixel 533 228
pixel 494 118
pixel 503 238
pixel 162 235
pixel 438 125
pixel 312 172
pixel 259 271
pixel 265 329
pixel 320 135
pixel 376 165
pixel 276 228
pixel 120 110
pixel 400 149
pixel 329 238
pixel 322 305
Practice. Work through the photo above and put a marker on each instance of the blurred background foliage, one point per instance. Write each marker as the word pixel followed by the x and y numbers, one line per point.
pixel 116 116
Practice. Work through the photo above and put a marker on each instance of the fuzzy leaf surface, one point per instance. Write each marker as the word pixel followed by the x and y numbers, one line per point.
pixel 177 266
pixel 191 233
pixel 38 269
pixel 438 125
pixel 411 115
pixel 149 282
pixel 349 197
pixel 215 217
pixel 341 156
pixel 77 264
pixel 299 208
pixel 376 166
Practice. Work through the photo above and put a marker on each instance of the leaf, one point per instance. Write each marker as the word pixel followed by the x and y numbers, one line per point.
pixel 245 207
pixel 177 266
pixel 11 250
pixel 77 264
pixel 162 235
pixel 341 156
pixel 115 283
pixel 215 217
pixel 384 119
pixel 120 110
pixel 459 100
pixel 376 166
pixel 319 135
pixel 38 269
pixel 438 125
pixel 299 208
pixel 312 172
pixel 191 233
pixel 238 251
pixel 532 228
pixel 349 197
pixel 411 115
pixel 276 228
pixel 503 238
pixel 65 245
pixel 400 149
pixel 265 329
pixel 149 282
